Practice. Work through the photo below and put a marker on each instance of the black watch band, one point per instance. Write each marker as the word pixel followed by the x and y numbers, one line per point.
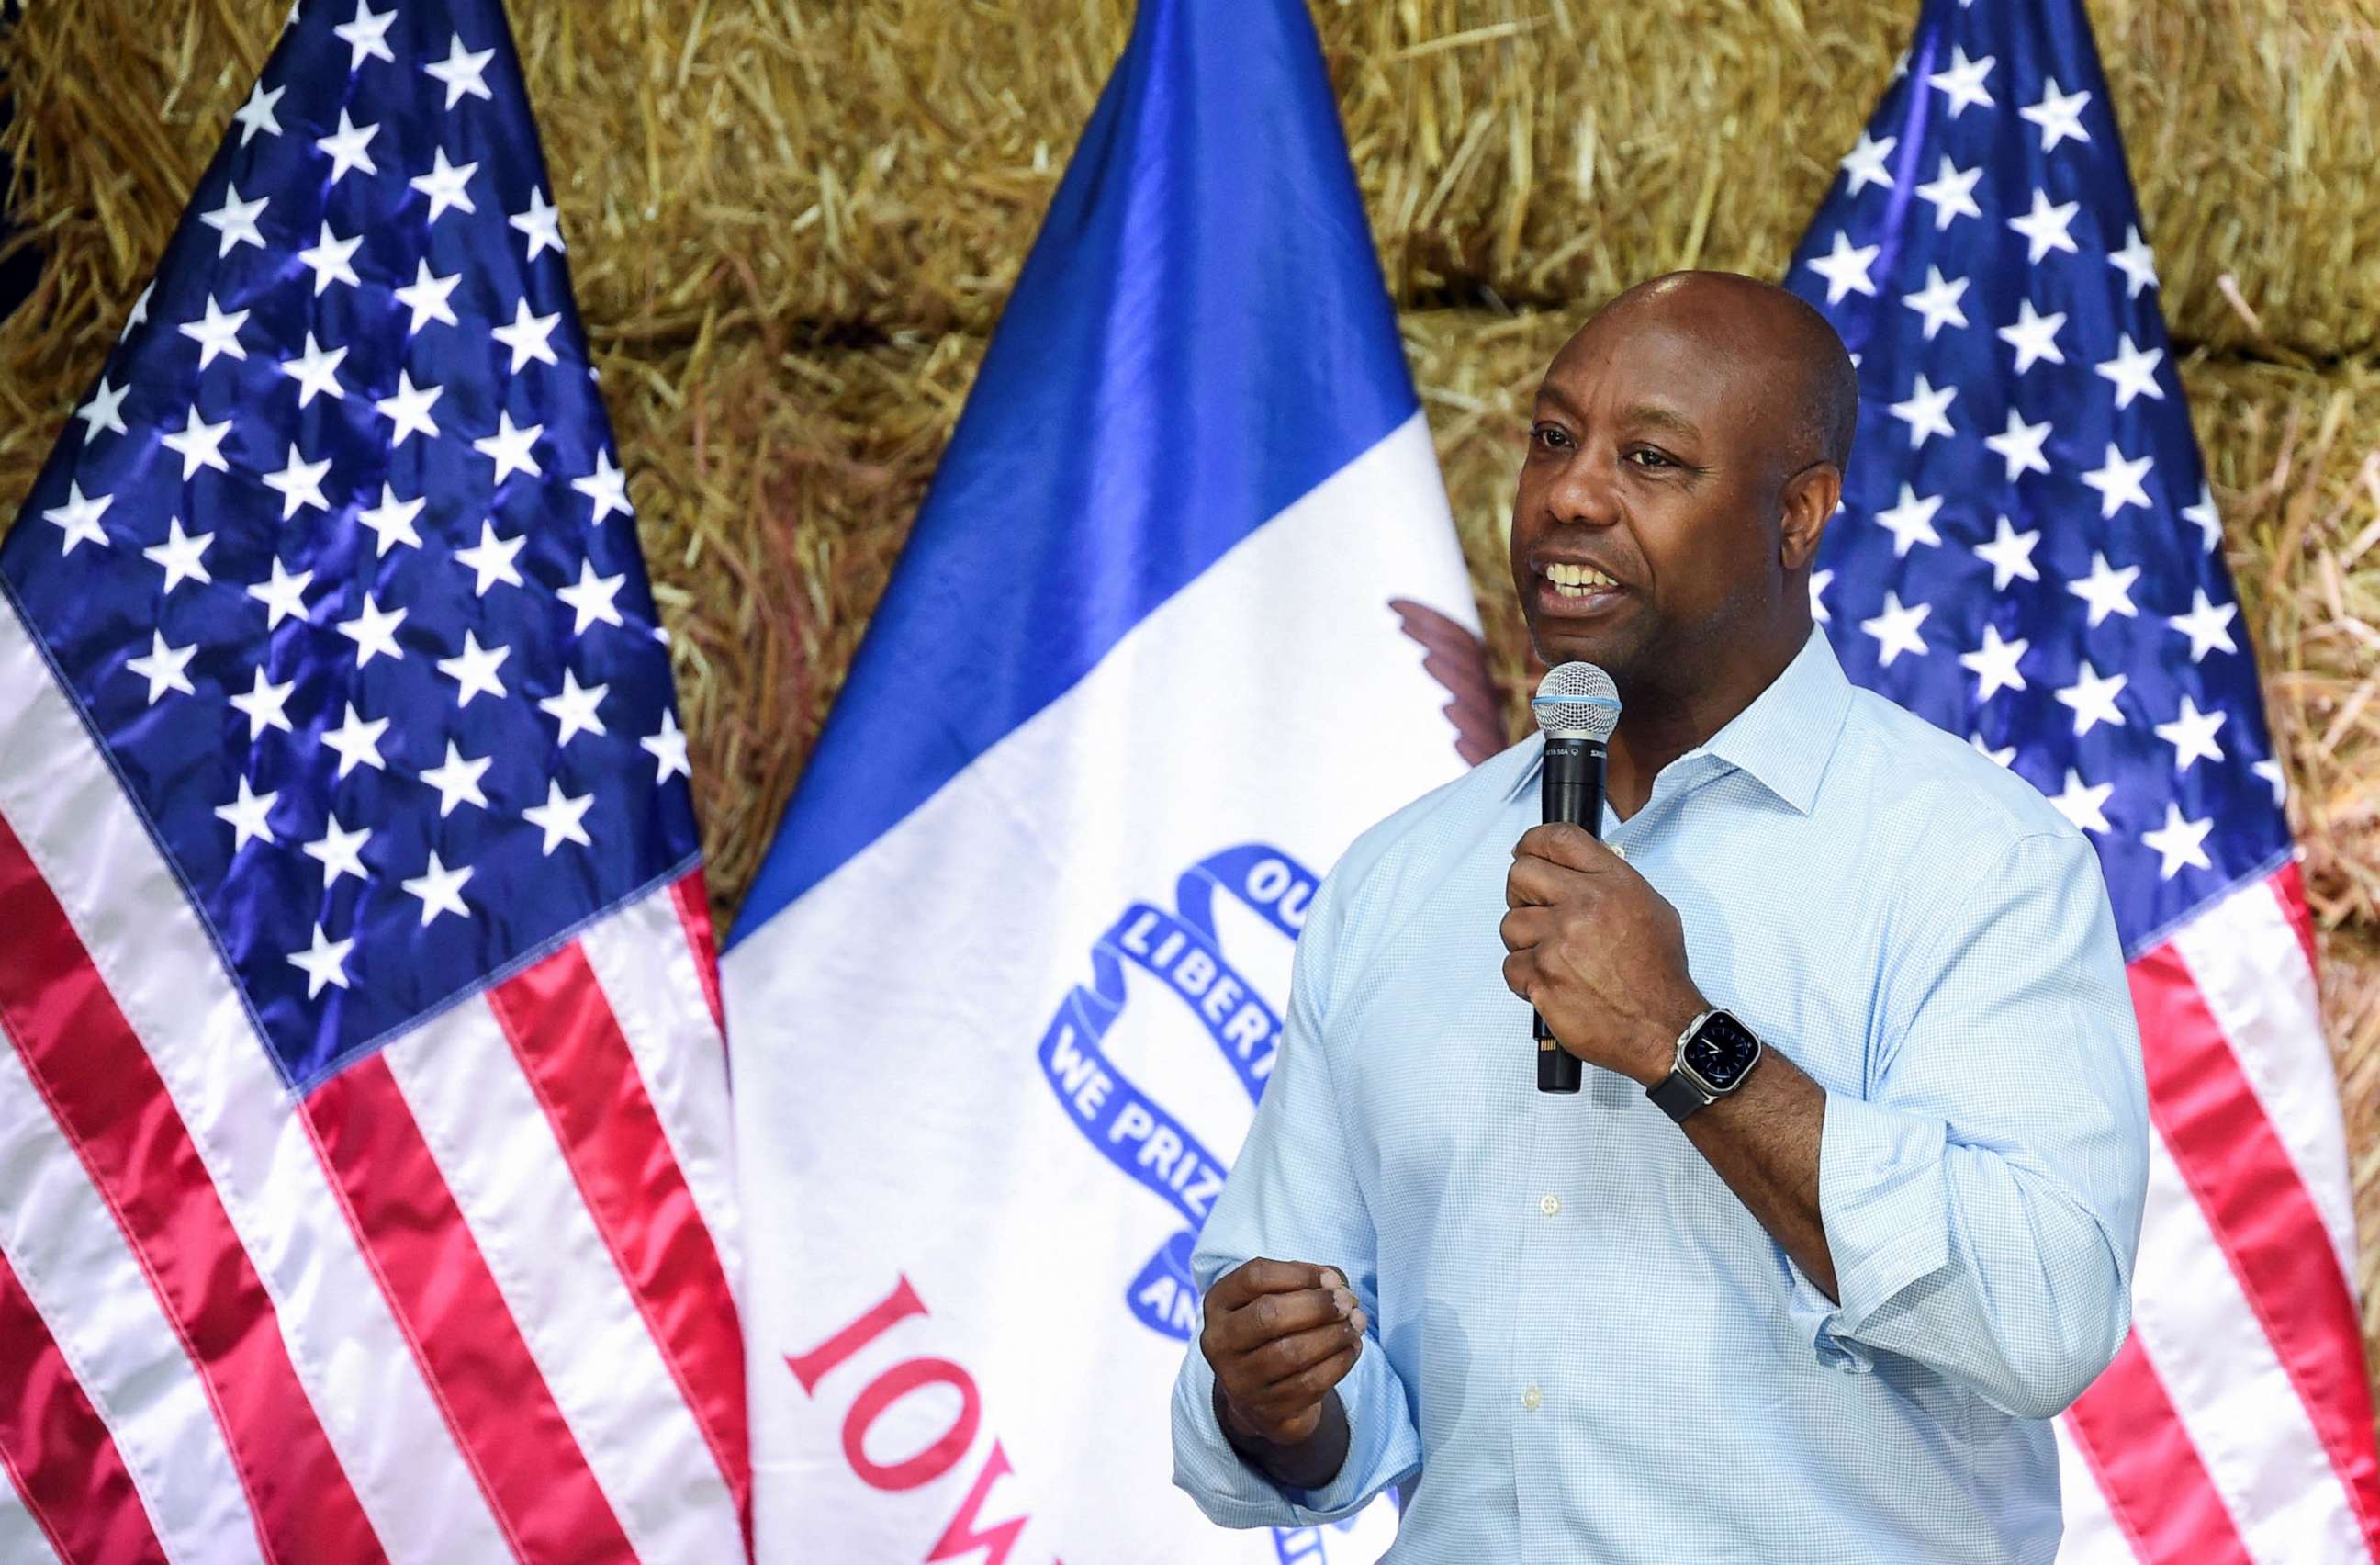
pixel 1678 1097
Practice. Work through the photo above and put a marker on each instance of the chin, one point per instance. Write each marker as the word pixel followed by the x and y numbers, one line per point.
pixel 1610 648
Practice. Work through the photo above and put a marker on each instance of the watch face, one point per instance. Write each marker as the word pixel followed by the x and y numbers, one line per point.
pixel 1721 1051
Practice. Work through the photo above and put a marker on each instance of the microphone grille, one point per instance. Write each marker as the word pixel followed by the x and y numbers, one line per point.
pixel 1577 701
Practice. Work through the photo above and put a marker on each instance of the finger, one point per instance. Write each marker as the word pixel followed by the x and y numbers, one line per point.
pixel 1521 974
pixel 1570 845
pixel 1287 1356
pixel 1261 1275
pixel 1535 882
pixel 1271 1316
pixel 1525 927
pixel 1305 1388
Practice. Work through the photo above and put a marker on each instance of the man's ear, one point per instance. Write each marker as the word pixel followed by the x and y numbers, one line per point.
pixel 1810 499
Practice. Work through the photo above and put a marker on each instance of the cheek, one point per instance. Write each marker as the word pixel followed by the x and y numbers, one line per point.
pixel 1707 555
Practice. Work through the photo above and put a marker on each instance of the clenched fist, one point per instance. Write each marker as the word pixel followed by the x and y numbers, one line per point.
pixel 1598 951
pixel 1279 1335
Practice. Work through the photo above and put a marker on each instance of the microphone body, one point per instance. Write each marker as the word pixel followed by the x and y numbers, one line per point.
pixel 1577 706
pixel 1570 790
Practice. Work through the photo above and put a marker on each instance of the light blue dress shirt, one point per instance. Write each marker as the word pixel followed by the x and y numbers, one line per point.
pixel 1583 1348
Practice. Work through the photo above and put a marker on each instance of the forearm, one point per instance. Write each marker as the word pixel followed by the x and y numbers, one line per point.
pixel 2029 1331
pixel 1764 1140
pixel 1308 1464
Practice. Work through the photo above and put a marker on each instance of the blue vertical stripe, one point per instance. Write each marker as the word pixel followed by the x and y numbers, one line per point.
pixel 1200 335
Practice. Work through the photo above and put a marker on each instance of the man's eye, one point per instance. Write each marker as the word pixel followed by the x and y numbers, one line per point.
pixel 1645 458
pixel 1552 436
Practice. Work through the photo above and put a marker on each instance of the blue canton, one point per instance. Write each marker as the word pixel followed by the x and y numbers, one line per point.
pixel 338 561
pixel 2028 553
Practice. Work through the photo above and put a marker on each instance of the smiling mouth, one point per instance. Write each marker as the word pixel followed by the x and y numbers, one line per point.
pixel 1578 581
pixel 1579 584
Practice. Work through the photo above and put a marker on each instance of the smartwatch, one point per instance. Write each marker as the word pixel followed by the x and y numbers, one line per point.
pixel 1714 1054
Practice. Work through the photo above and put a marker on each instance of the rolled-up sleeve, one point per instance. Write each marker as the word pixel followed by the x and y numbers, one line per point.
pixel 1981 1198
pixel 1293 1195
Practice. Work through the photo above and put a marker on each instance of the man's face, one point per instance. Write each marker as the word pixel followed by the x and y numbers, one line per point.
pixel 1650 461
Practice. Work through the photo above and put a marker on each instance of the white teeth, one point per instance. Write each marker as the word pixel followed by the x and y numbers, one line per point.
pixel 1574 580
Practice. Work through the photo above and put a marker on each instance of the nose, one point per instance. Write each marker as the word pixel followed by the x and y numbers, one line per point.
pixel 1584 492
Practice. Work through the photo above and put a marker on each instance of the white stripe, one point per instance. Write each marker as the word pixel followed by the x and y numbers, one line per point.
pixel 2093 1536
pixel 2227 1386
pixel 63 1243
pixel 22 1542
pixel 2246 960
pixel 490 1139
pixel 99 861
pixel 645 965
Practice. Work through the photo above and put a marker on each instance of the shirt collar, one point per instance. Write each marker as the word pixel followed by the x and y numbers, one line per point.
pixel 1785 737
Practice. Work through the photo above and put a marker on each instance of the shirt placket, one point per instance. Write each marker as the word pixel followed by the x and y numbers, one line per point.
pixel 1553 1359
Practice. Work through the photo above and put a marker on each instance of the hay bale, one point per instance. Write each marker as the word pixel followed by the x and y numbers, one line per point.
pixel 791 228
pixel 875 167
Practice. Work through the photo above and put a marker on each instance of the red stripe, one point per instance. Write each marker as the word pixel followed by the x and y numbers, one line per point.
pixel 2288 889
pixel 435 1277
pixel 2260 1216
pixel 2156 1486
pixel 694 912
pixel 571 1049
pixel 111 1104
pixel 58 1450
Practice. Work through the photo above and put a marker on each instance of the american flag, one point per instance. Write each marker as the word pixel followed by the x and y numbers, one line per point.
pixel 365 1187
pixel 2029 555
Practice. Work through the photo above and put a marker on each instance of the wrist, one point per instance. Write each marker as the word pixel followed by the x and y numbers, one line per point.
pixel 1664 1025
pixel 1307 1464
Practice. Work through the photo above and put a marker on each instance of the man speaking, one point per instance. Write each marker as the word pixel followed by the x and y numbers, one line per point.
pixel 1816 1306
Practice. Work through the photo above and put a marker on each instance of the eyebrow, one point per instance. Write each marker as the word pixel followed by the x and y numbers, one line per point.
pixel 1661 417
pixel 1656 414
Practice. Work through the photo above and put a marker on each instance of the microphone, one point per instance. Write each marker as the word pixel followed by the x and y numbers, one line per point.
pixel 1577 707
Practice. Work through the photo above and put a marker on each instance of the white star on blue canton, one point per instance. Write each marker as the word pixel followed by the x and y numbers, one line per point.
pixel 181 557
pixel 458 780
pixel 2009 554
pixel 1865 162
pixel 2119 480
pixel 439 889
pixel 324 963
pixel 164 667
pixel 1951 194
pixel 448 186
pixel 104 411
pixel 79 518
pixel 348 150
pixel 1962 81
pixel 462 72
pixel 1845 269
pixel 1938 301
pixel 2179 842
pixel 367 34
pixel 2035 337
pixel 561 817
pixel 2058 115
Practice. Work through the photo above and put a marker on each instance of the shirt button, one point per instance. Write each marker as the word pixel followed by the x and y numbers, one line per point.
pixel 1530 1399
pixel 1549 1205
pixel 1620 852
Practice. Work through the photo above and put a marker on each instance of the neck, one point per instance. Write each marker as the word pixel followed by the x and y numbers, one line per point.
pixel 1660 723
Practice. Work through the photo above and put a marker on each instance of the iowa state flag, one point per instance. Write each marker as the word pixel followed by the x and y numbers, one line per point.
pixel 1183 613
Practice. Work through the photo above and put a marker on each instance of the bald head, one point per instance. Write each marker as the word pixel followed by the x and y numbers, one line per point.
pixel 1686 448
pixel 1772 333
